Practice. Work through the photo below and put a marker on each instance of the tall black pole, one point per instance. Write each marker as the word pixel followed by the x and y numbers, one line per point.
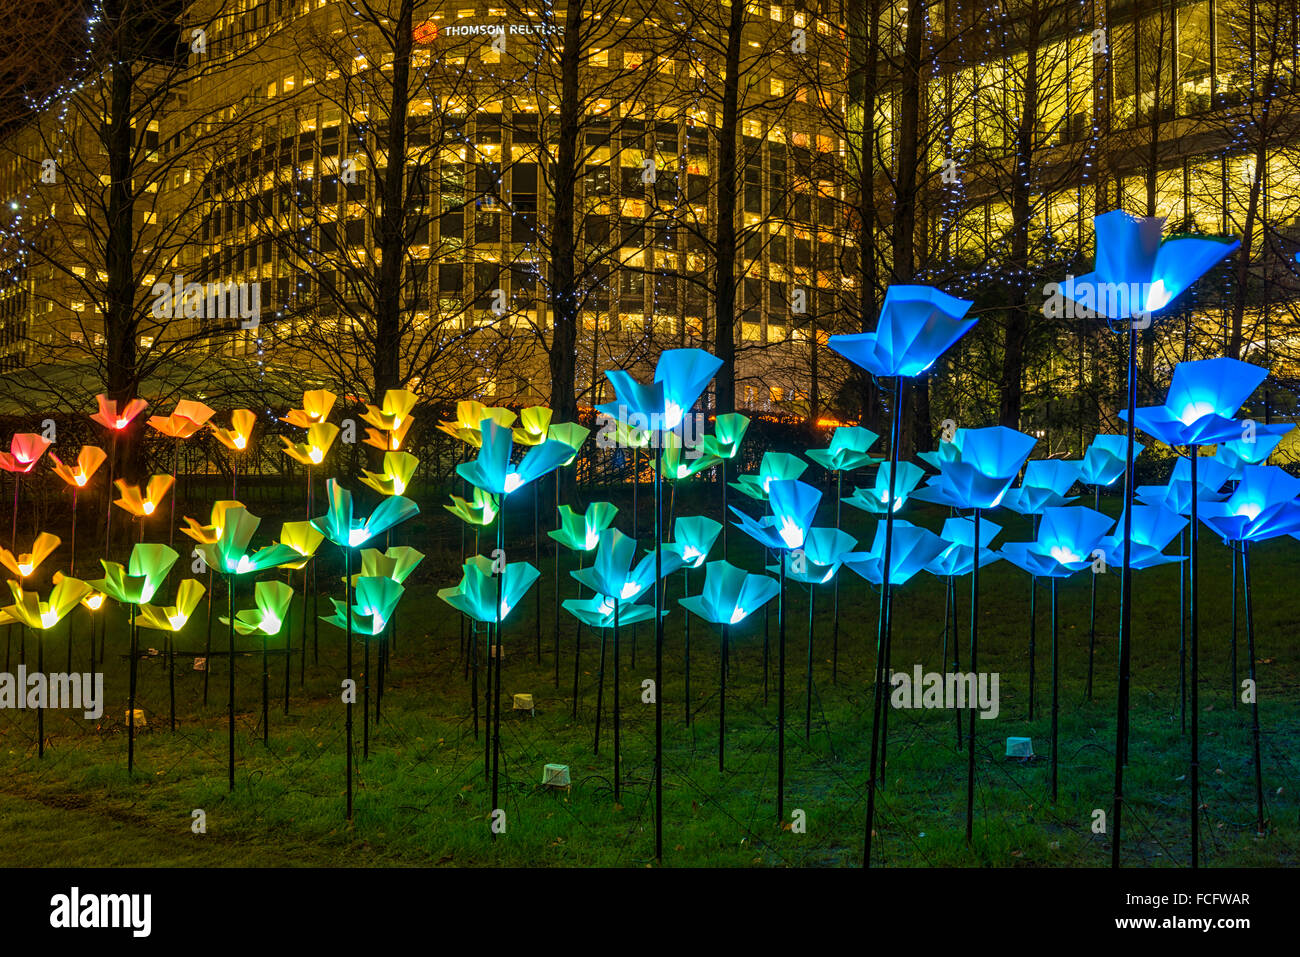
pixel 1232 641
pixel 659 649
pixel 1092 608
pixel 882 619
pixel 780 693
pixel 835 601
pixel 617 711
pixel 1125 611
pixel 807 710
pixel 494 679
pixel 537 563
pixel 722 697
pixel 352 687
pixel 1254 692
pixel 1056 698
pixel 1194 636
pixel 230 680
pixel 40 711
pixel 974 663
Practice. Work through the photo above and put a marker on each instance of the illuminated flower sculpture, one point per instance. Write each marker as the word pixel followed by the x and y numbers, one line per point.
pixel 888 488
pixel 25 564
pixel 1066 542
pixel 41 616
pixel 794 508
pixel 1253 449
pixel 534 424
pixel 824 550
pixel 320 438
pixel 1044 486
pixel 169 620
pixel 237 439
pixel 89 459
pixel 143 504
pixel 188 418
pixel 774 467
pixel 983 465
pixel 135 585
pixel 488 595
pixel 272 600
pixel 580 531
pixel 681 376
pixel 316 406
pixel 479 509
pixel 230 556
pixel 1136 274
pixel 1262 506
pixel 392 417
pixel 958 558
pixel 469 419
pixel 730 595
pixel 1103 463
pixel 396 476
pixel 1198 410
pixel 117 418
pixel 339 525
pixel 25 449
pixel 680 461
pixel 617 577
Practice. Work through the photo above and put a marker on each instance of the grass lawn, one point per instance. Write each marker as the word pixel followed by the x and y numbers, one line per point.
pixel 422 797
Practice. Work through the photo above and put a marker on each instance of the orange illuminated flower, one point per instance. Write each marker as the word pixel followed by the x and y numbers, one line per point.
pixel 388 440
pixel 241 430
pixel 189 417
pixel 316 405
pixel 110 417
pixel 144 505
pixel 89 459
pixel 25 448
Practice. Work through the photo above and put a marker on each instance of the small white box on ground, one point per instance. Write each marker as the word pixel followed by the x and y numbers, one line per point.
pixel 555 776
pixel 1020 747
pixel 523 702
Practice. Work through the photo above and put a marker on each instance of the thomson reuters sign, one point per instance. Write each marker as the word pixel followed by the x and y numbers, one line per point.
pixel 428 31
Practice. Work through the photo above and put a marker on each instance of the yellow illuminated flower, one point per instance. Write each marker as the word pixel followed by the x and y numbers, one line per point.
pixel 189 417
pixel 398 469
pixel 390 442
pixel 209 534
pixel 304 538
pixel 312 452
pixel 396 409
pixel 23 565
pixel 316 405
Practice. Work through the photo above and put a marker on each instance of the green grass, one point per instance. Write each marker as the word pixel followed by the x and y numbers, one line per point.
pixel 422 798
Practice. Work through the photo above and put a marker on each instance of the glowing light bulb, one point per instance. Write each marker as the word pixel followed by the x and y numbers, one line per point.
pixel 592 539
pixel 683 471
pixel 1064 555
pixel 791 533
pixel 630 590
pixel 177 621
pixel 316 455
pixel 94 601
pixel 357 536
pixel 122 423
pixel 270 624
pixel 1249 510
pixel 690 553
pixel 513 481
pixel 49 618
pixel 244 565
pixel 148 508
pixel 1195 410
pixel 25 568
pixel 738 615
pixel 240 441
pixel 398 486
pixel 80 478
pixel 1157 296
pixel 505 608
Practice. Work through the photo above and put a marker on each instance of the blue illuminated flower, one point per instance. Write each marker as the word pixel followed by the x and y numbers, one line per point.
pixel 1103 460
pixel 1202 398
pixel 338 525
pixel 1135 272
pixel 958 558
pixel 1066 540
pixel 492 470
pixel 681 376
pixel 912 549
pixel 1044 486
pixel 989 460
pixel 1177 494
pixel 794 507
pixel 1260 441
pixel 693 538
pixel 730 594
pixel 917 325
pixel 1154 527
pixel 1262 506
pixel 612 573
pixel 824 550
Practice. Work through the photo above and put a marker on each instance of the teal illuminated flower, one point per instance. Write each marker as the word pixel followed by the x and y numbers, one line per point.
pixel 874 499
pixel 342 529
pixel 272 599
pixel 229 553
pixel 580 531
pixel 794 507
pixel 847 450
pixel 775 467
pixel 730 594
pixel 373 601
pixel 492 470
pixel 693 537
pixel 476 595
pixel 612 573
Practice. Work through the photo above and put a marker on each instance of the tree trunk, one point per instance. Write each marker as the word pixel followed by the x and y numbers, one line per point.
pixel 724 325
